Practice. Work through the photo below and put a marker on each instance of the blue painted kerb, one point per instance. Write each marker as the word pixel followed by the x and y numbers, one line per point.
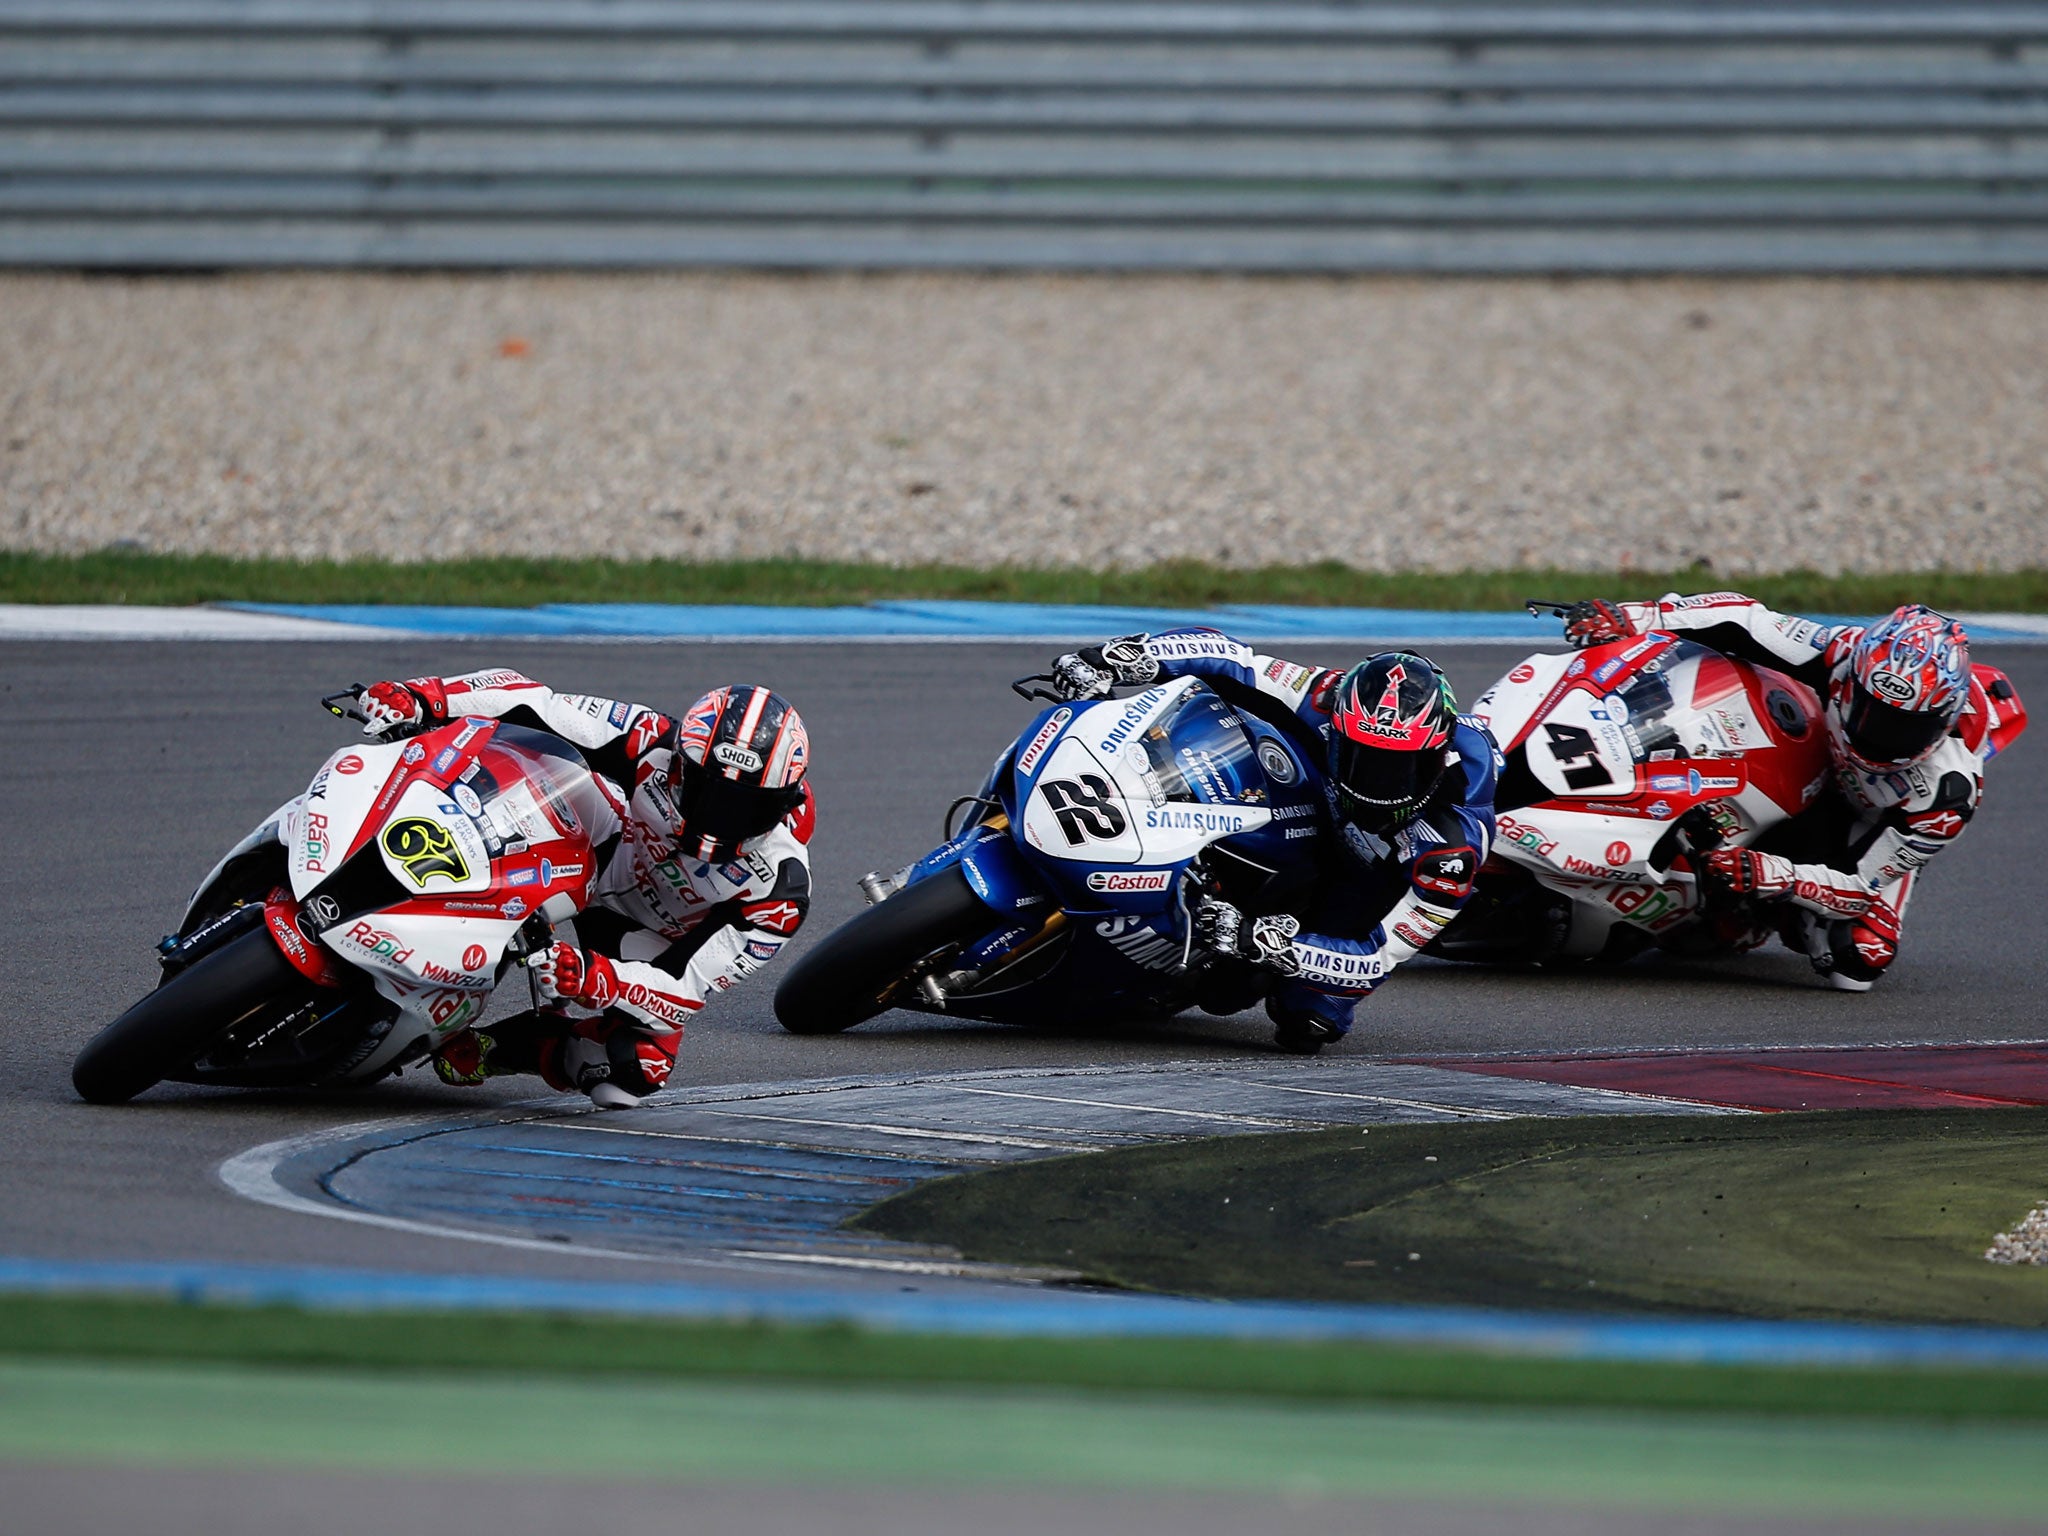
pixel 908 621
pixel 1022 1311
pixel 943 620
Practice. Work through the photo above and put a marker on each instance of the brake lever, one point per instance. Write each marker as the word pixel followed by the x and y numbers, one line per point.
pixel 1022 692
pixel 1538 606
pixel 534 935
pixel 353 694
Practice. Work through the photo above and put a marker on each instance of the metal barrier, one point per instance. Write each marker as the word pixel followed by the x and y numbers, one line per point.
pixel 1122 133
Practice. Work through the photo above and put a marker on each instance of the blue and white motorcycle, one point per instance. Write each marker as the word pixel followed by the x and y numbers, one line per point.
pixel 1069 895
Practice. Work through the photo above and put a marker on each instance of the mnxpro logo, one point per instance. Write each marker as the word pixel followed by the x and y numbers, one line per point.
pixel 1086 808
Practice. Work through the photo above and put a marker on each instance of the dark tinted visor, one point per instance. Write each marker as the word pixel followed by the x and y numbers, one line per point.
pixel 729 811
pixel 1879 732
pixel 1376 788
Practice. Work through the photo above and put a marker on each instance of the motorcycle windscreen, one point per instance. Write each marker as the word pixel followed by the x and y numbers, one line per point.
pixel 1198 753
pixel 528 789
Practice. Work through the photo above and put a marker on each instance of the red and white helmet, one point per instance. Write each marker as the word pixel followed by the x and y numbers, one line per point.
pixel 741 754
pixel 1899 690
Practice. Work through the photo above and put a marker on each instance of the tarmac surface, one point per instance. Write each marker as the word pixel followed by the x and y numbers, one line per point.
pixel 129 767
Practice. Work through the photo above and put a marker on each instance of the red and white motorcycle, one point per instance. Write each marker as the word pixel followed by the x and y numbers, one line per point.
pixel 1625 763
pixel 367 918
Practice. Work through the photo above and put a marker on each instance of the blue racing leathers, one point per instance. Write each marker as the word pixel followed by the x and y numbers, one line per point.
pixel 1379 900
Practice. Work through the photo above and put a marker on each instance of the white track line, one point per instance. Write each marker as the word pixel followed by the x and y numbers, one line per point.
pixel 65 621
pixel 1382 1098
pixel 894 1130
pixel 1147 1109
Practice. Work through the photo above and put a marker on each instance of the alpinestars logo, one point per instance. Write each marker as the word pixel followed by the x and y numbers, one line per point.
pixel 776 916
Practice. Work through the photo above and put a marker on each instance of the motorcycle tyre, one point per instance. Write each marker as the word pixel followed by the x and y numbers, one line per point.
pixel 169 1028
pixel 839 982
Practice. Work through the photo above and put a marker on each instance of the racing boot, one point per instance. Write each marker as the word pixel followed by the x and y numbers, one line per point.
pixel 614 1062
pixel 1300 1032
pixel 1860 949
pixel 464 1059
pixel 507 1049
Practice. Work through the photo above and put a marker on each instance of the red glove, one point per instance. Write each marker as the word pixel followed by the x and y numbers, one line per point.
pixel 1595 622
pixel 394 707
pixel 566 972
pixel 1749 873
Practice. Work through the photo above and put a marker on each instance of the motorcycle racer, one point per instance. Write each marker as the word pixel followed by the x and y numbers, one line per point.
pixel 1910 725
pixel 708 877
pixel 1407 787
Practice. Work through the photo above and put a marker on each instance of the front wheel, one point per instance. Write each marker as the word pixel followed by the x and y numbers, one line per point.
pixel 853 973
pixel 165 1032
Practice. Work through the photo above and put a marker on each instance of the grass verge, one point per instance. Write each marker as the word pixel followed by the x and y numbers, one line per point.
pixel 149 1331
pixel 1873 1215
pixel 432 1424
pixel 124 576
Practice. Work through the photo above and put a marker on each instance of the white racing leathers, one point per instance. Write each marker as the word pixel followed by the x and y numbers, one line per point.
pixel 680 930
pixel 1853 858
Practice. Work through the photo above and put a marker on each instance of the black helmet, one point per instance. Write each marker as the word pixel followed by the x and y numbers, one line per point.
pixel 1390 730
pixel 741 753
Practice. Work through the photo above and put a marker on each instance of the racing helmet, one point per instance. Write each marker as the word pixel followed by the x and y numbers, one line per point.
pixel 1390 732
pixel 741 753
pixel 1900 689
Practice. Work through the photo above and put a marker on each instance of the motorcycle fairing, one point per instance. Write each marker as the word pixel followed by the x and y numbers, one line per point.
pixel 1630 739
pixel 467 829
pixel 994 869
pixel 1088 879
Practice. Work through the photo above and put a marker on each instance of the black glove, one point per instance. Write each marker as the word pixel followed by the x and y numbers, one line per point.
pixel 1093 670
pixel 1267 942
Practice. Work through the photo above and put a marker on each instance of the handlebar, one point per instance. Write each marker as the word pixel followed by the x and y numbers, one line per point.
pixel 347 710
pixel 345 705
pixel 1044 694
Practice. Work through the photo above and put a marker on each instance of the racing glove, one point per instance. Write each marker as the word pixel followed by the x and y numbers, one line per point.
pixel 1745 872
pixel 574 976
pixel 1093 670
pixel 1267 942
pixel 393 709
pixel 1595 622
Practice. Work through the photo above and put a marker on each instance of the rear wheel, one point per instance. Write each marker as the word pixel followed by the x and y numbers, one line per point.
pixel 854 972
pixel 163 1034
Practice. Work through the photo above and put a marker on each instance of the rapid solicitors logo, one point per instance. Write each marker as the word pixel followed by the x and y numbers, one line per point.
pixel 378 943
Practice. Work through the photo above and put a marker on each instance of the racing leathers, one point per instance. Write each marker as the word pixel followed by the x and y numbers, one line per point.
pixel 1378 899
pixel 663 934
pixel 1842 872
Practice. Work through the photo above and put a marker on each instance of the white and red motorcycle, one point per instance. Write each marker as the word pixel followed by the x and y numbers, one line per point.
pixel 1625 763
pixel 368 918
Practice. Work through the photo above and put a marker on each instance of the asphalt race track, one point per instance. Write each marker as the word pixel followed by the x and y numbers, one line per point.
pixel 128 768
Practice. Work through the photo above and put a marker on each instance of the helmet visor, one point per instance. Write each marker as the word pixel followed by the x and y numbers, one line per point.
pixel 1378 788
pixel 1879 732
pixel 719 813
